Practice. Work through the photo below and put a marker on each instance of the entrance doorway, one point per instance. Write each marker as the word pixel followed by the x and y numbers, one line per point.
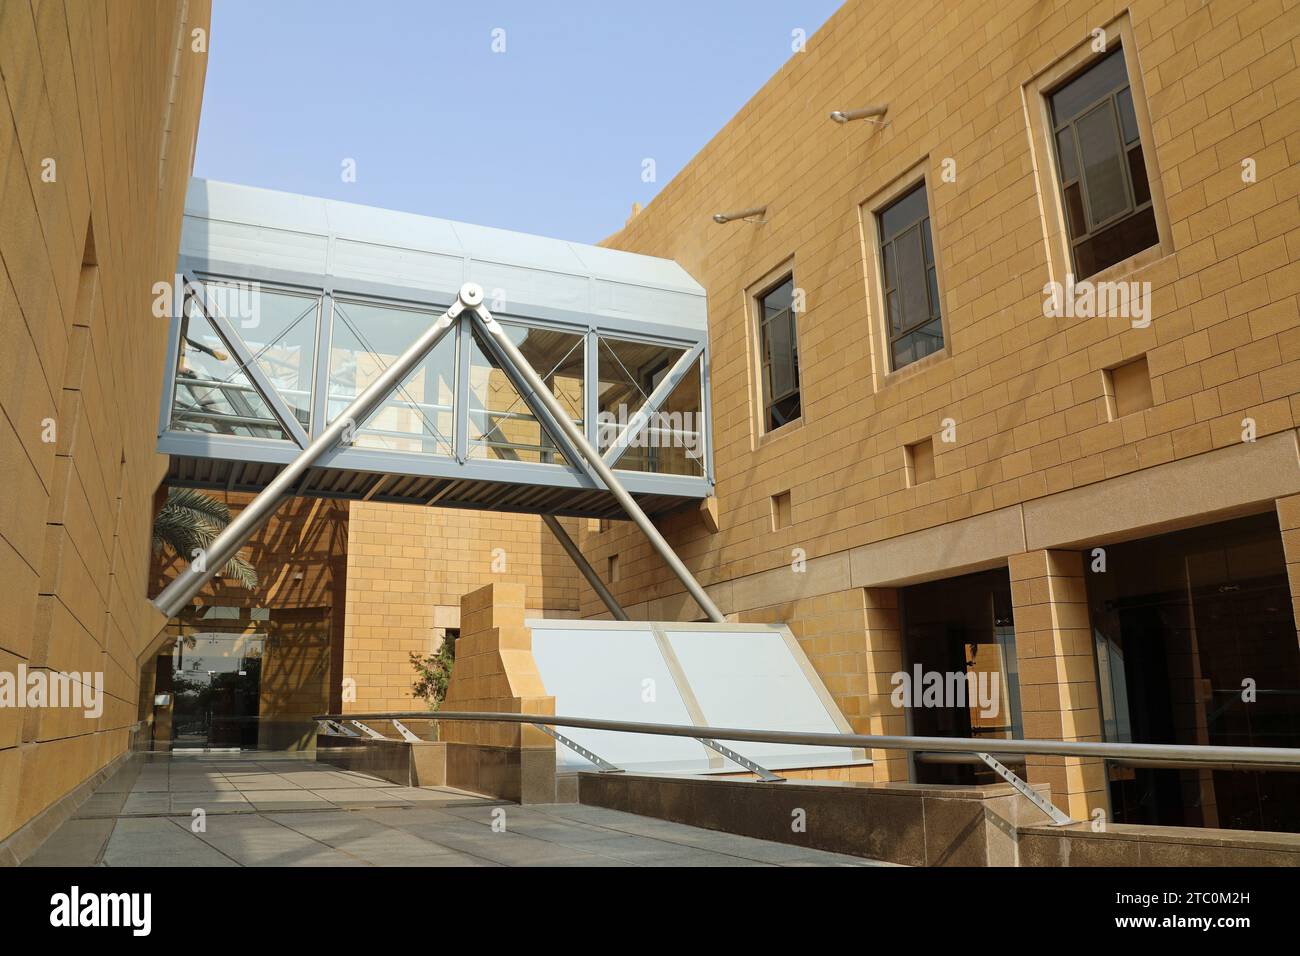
pixel 959 640
pixel 216 688
pixel 1196 644
pixel 244 678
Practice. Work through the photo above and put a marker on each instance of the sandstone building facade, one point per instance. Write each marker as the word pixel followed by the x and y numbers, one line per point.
pixel 945 425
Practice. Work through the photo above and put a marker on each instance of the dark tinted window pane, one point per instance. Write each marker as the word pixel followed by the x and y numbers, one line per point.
pixel 895 317
pixel 903 213
pixel 1066 155
pixel 1127 118
pixel 780 354
pixel 1102 164
pixel 888 259
pixel 902 352
pixel 1106 76
pixel 917 345
pixel 786 410
pixel 929 339
pixel 778 299
pixel 934 292
pixel 781 349
pixel 911 277
pixel 925 242
pixel 1074 210
pixel 1138 174
pixel 1116 243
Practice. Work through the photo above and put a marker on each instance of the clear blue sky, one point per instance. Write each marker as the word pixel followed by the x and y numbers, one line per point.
pixel 547 137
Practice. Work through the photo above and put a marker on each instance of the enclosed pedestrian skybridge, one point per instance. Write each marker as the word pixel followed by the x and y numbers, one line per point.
pixel 287 307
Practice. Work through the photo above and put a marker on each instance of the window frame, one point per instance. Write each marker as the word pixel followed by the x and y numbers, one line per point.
pixel 1035 96
pixel 1132 207
pixel 216 279
pixel 756 294
pixel 869 210
pixel 934 309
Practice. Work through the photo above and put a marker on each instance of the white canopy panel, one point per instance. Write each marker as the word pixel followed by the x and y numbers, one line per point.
pixel 751 676
pixel 262 229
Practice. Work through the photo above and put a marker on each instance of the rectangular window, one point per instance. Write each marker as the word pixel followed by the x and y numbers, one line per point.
pixel 909 282
pixel 778 355
pixel 1103 177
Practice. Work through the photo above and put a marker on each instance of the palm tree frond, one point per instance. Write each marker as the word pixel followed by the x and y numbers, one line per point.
pixel 242 571
pixel 189 521
pixel 194 500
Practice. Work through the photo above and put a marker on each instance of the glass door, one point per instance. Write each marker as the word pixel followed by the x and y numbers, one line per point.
pixel 216 681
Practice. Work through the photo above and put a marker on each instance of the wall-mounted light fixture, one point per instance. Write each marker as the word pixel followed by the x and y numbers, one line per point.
pixel 866 113
pixel 747 214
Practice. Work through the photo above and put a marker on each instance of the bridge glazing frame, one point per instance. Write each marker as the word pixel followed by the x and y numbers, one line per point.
pixel 456 478
pixel 340 432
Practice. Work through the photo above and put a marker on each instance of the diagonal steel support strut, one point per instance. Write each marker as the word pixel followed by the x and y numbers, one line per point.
pixel 763 773
pixel 604 766
pixel 588 572
pixel 339 432
pixel 589 459
pixel 1058 818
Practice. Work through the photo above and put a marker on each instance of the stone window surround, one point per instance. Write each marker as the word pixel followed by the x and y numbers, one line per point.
pixel 759 435
pixel 1035 95
pixel 868 219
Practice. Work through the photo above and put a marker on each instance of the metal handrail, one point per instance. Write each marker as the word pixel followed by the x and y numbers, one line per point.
pixel 1278 758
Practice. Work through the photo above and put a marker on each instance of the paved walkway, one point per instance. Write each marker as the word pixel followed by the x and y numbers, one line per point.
pixel 287 810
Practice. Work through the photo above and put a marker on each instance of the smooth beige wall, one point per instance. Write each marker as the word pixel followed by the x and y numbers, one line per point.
pixel 98 117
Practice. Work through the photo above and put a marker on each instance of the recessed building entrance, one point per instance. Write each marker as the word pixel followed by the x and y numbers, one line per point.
pixel 244 679
pixel 1196 644
pixel 962 676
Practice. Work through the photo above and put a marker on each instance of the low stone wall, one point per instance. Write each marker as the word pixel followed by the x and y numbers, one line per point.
pixel 520 775
pixel 1126 845
pixel 920 825
pixel 406 764
pixel 911 824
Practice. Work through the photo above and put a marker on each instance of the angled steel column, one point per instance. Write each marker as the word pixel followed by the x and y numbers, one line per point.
pixel 590 459
pixel 190 581
pixel 585 567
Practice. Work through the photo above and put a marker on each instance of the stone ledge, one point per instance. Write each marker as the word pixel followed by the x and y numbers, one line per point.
pixel 402 762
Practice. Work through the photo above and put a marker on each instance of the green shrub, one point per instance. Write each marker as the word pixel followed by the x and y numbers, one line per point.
pixel 433 672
